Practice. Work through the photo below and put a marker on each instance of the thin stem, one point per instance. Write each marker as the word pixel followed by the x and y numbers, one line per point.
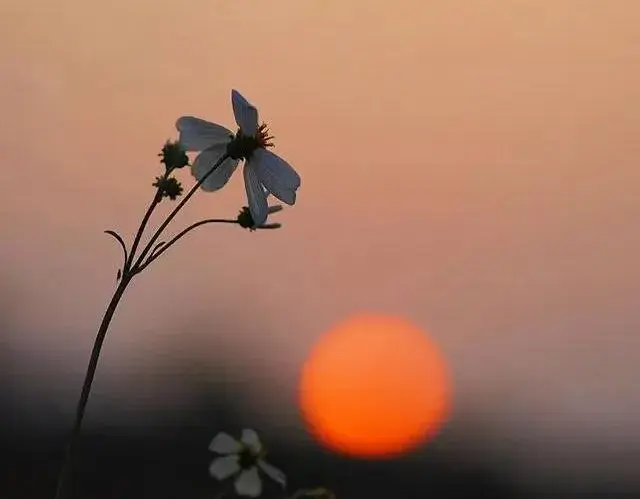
pixel 136 267
pixel 100 337
pixel 128 272
pixel 152 206
pixel 156 248
pixel 179 235
pixel 88 380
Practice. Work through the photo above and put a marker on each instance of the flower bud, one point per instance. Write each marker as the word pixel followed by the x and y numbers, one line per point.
pixel 168 187
pixel 173 156
pixel 245 220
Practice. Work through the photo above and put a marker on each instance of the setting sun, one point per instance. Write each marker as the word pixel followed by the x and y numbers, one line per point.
pixel 374 386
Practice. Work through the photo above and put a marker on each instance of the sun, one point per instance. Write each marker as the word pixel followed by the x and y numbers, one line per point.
pixel 374 386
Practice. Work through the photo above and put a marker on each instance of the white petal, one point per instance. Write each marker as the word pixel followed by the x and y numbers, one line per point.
pixel 278 177
pixel 223 443
pixel 256 196
pixel 272 472
pixel 249 483
pixel 224 467
pixel 206 160
pixel 197 135
pixel 251 440
pixel 246 114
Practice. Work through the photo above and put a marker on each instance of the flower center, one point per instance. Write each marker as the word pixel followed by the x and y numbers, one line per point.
pixel 248 458
pixel 242 146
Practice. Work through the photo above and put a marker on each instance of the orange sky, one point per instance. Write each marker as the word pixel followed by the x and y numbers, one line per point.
pixel 470 164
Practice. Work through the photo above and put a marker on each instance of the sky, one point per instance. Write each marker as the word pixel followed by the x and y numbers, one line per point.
pixel 471 165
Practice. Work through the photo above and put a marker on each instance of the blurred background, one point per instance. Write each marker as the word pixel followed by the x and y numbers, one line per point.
pixel 471 165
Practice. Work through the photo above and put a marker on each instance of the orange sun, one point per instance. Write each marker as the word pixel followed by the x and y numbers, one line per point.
pixel 374 386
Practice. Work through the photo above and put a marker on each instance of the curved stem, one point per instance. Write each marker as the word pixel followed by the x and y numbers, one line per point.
pixel 179 235
pixel 88 380
pixel 136 267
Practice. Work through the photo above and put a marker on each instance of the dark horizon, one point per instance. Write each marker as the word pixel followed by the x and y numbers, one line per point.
pixel 164 459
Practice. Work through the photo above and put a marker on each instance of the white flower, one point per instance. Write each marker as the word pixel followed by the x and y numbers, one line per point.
pixel 242 460
pixel 264 172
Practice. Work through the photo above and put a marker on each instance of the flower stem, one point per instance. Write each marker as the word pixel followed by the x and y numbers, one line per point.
pixel 88 380
pixel 154 202
pixel 128 272
pixel 136 267
pixel 127 275
pixel 181 234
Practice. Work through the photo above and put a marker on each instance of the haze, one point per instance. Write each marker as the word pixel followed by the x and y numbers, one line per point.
pixel 471 165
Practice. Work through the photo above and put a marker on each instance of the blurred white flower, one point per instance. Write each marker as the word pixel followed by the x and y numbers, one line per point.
pixel 242 459
pixel 264 172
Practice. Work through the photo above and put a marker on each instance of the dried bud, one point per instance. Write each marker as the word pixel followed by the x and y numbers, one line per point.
pixel 168 187
pixel 173 156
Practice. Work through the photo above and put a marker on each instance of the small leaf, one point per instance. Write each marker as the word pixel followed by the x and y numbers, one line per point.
pixel 119 275
pixel 117 237
pixel 157 247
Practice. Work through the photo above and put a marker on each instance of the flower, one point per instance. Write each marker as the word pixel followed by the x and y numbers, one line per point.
pixel 264 172
pixel 242 459
pixel 246 221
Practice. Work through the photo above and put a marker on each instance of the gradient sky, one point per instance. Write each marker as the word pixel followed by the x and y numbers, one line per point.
pixel 472 165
